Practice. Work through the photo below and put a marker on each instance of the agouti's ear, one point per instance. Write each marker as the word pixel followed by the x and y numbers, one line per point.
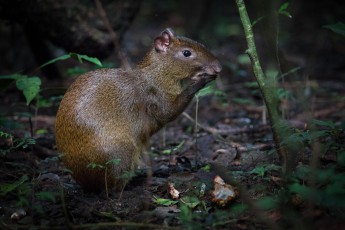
pixel 164 40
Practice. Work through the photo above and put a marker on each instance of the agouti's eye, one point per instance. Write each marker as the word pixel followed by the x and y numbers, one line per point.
pixel 187 53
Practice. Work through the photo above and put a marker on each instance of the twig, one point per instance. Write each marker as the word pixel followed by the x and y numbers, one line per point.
pixel 216 132
pixel 30 121
pixel 206 128
pixel 268 87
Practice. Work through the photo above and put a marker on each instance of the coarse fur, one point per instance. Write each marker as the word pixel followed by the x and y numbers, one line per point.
pixel 110 114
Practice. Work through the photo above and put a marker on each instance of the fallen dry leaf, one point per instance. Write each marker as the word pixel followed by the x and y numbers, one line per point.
pixel 223 193
pixel 174 193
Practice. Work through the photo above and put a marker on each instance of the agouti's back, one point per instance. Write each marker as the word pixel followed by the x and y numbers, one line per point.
pixel 110 114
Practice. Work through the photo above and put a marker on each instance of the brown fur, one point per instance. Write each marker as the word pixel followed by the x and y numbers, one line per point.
pixel 111 113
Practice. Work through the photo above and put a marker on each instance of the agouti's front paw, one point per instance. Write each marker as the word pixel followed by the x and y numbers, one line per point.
pixel 201 80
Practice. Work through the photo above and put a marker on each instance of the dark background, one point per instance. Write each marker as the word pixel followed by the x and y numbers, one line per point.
pixel 33 32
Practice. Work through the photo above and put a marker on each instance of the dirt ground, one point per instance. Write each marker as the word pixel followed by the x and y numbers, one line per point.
pixel 232 134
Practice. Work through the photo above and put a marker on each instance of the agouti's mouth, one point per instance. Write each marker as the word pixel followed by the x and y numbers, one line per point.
pixel 198 76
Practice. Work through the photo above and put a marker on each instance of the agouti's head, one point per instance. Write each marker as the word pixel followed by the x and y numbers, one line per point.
pixel 181 57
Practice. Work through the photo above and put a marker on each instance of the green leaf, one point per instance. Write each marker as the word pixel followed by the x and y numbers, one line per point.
pixel 41 131
pixel 190 201
pixel 330 196
pixel 81 57
pixel 12 76
pixel 283 10
pixel 109 215
pixel 6 188
pixel 302 190
pixel 296 138
pixel 95 165
pixel 251 84
pixel 243 59
pixel 176 148
pixel 114 161
pixel 5 135
pixel 46 196
pixel 325 174
pixel 272 167
pixel 259 170
pixel 302 172
pixel 318 134
pixel 283 93
pixel 93 60
pixel 67 171
pixel 293 70
pixel 338 28
pixel 30 87
pixel 127 175
pixel 271 152
pixel 242 101
pixel 25 142
pixel 43 103
pixel 336 188
pixel 23 201
pixel 283 7
pixel 258 20
pixel 63 57
pixel 208 90
pixel 238 208
pixel 267 203
pixel 206 168
pixel 164 202
pixel 185 215
pixel 328 124
pixel 179 146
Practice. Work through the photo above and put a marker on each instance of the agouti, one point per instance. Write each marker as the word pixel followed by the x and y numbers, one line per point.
pixel 110 114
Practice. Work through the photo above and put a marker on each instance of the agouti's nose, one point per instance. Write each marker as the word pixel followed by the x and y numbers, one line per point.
pixel 216 66
pixel 213 68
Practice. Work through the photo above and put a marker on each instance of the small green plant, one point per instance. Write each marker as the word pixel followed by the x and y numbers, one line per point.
pixel 30 85
pixel 174 149
pixel 262 170
pixel 327 190
pixel 15 143
pixel 281 11
pixel 210 89
pixel 108 164
pixel 22 188
pixel 164 202
pixel 193 206
pixel 322 185
pixel 190 201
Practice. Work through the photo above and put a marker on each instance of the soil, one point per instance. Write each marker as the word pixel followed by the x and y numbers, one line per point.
pixel 232 136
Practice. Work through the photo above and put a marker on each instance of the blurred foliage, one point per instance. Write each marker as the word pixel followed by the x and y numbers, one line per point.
pixel 338 28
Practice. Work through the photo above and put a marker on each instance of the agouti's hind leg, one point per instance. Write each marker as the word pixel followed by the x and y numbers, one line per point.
pixel 122 163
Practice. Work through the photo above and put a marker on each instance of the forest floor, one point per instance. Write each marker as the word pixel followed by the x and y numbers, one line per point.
pixel 233 140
